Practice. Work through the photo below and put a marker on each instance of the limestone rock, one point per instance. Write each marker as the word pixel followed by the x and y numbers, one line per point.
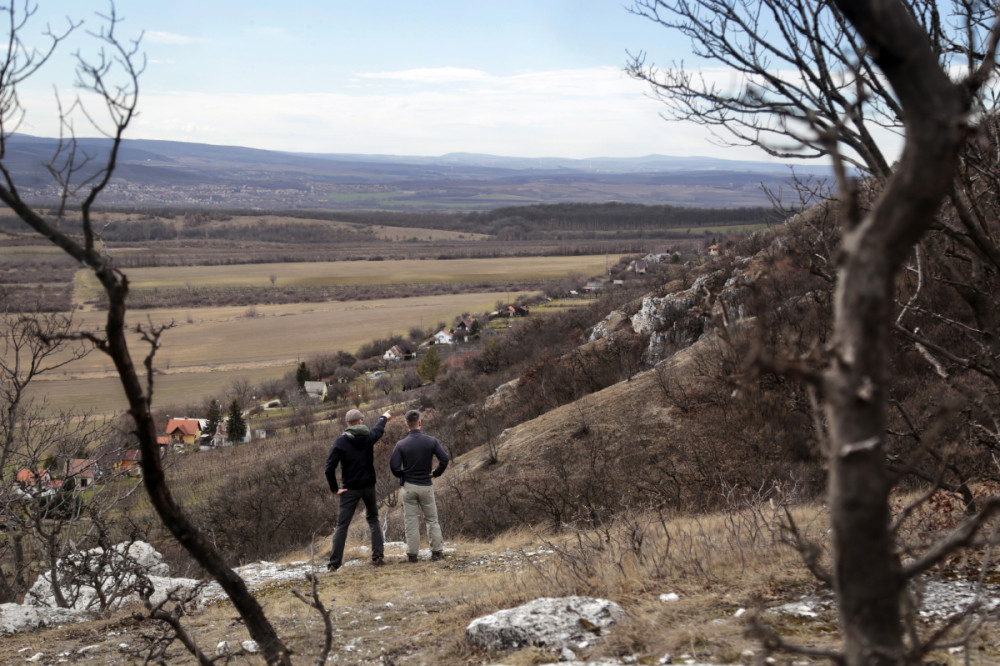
pixel 114 573
pixel 547 622
pixel 15 618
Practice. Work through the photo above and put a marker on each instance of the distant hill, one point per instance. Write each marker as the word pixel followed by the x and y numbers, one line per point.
pixel 173 173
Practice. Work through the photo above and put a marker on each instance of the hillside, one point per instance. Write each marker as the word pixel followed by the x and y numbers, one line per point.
pixel 655 441
pixel 664 490
pixel 165 173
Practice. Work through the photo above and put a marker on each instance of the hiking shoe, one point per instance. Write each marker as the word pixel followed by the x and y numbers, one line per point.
pixel 378 561
pixel 437 555
pixel 412 558
pixel 330 566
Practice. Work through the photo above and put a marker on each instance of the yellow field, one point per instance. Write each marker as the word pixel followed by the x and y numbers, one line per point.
pixel 209 348
pixel 336 273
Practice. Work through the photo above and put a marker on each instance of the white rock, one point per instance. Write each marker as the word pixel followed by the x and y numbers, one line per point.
pixel 740 612
pixel 81 592
pixel 15 618
pixel 250 646
pixel 567 655
pixel 222 648
pixel 672 596
pixel 37 657
pixel 550 622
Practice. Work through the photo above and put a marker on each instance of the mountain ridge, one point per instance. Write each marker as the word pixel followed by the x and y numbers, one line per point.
pixel 175 173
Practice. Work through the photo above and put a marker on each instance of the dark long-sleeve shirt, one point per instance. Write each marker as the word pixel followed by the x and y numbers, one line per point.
pixel 413 456
pixel 355 455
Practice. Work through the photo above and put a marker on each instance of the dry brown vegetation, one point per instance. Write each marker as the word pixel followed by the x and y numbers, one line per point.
pixel 200 358
pixel 719 565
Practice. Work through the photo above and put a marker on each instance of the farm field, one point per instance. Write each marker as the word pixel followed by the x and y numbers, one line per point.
pixel 207 349
pixel 381 231
pixel 318 274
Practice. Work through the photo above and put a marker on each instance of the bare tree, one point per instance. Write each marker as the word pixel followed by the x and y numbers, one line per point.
pixel 113 76
pixel 828 79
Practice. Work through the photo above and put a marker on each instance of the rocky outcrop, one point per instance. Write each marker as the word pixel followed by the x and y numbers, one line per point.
pixel 678 319
pixel 94 580
pixel 557 623
pixel 15 618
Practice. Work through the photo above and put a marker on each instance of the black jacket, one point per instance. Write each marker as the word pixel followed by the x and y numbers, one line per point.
pixel 412 458
pixel 354 453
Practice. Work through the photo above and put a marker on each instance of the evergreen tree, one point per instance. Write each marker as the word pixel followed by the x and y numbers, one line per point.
pixel 302 375
pixel 236 429
pixel 429 366
pixel 213 417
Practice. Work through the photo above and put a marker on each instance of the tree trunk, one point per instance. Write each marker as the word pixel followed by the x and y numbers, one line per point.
pixel 258 626
pixel 868 579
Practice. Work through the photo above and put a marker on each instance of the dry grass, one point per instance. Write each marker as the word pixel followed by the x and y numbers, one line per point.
pixel 208 348
pixel 335 273
pixel 382 232
pixel 417 613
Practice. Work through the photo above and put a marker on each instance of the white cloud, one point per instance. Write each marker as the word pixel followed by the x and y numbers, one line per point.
pixel 160 37
pixel 430 75
pixel 564 113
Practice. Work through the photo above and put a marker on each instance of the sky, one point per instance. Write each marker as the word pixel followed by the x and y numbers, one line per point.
pixel 522 78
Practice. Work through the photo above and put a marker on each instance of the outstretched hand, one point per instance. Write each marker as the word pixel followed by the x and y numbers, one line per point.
pixel 387 415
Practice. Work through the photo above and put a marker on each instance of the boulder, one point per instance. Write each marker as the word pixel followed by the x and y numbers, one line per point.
pixel 115 574
pixel 546 622
pixel 15 618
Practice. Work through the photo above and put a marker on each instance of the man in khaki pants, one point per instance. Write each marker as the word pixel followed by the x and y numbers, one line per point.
pixel 411 462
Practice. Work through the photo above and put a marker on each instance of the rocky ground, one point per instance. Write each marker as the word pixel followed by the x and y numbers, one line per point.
pixel 406 613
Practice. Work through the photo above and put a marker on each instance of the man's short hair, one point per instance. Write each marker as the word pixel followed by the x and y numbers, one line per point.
pixel 412 417
pixel 354 415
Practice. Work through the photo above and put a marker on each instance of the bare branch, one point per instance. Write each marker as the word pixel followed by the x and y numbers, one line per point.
pixel 315 602
pixel 960 537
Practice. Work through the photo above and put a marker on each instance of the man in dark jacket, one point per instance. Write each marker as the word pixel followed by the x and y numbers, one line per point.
pixel 353 451
pixel 411 462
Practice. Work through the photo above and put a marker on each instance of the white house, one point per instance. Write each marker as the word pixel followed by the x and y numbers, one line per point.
pixel 443 337
pixel 316 390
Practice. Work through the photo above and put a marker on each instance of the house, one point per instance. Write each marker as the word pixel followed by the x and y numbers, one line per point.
pixel 713 250
pixel 36 483
pixel 28 478
pixel 443 337
pixel 393 354
pixel 640 267
pixel 316 390
pixel 183 431
pixel 221 437
pixel 81 470
pixel 464 326
pixel 517 311
pixel 130 462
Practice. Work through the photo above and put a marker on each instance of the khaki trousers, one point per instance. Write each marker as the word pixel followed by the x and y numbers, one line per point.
pixel 417 499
